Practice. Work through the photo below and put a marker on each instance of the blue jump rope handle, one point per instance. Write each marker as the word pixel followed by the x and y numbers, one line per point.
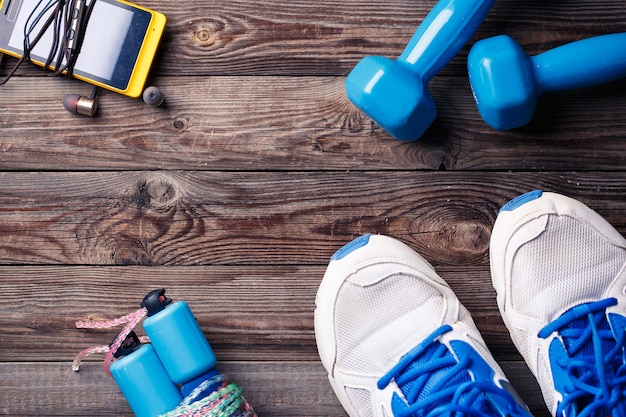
pixel 179 342
pixel 145 383
pixel 585 63
pixel 442 34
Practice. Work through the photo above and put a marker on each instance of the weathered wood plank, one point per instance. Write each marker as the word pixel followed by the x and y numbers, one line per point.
pixel 270 218
pixel 328 38
pixel 276 389
pixel 298 38
pixel 255 313
pixel 52 389
pixel 247 313
pixel 256 123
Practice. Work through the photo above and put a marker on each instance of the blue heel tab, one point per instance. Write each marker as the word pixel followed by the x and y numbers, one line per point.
pixel 350 247
pixel 521 200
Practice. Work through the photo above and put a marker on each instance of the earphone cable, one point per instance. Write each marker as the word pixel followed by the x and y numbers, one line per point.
pixel 63 53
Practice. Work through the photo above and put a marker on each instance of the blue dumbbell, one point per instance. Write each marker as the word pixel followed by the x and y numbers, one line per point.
pixel 506 82
pixel 395 93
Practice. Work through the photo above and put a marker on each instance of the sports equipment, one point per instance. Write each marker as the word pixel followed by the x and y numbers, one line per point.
pixel 394 93
pixel 506 82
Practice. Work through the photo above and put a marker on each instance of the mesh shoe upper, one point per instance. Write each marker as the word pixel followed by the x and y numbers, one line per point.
pixel 557 267
pixel 397 342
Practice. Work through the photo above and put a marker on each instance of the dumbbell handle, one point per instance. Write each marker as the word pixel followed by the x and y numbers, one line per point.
pixel 585 63
pixel 442 34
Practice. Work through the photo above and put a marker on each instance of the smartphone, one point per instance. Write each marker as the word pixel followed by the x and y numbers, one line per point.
pixel 118 47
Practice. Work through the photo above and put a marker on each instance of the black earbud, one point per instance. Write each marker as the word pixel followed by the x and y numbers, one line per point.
pixel 87 106
pixel 153 96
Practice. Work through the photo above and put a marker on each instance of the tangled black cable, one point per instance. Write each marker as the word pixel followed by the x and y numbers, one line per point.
pixel 68 20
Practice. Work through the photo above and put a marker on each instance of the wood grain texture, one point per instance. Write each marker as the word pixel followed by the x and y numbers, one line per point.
pixel 275 388
pixel 235 193
pixel 296 38
pixel 270 218
pixel 247 313
pixel 296 388
pixel 300 123
pixel 328 38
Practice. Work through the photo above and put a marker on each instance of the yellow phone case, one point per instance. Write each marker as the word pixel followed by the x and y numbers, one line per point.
pixel 144 59
pixel 146 54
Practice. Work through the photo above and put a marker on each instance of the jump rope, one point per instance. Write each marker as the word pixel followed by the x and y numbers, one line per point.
pixel 225 398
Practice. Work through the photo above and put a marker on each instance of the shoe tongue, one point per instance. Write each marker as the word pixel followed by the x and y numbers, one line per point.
pixel 582 325
pixel 617 323
pixel 432 384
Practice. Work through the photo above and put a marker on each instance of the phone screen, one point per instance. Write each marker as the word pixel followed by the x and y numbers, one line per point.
pixel 111 45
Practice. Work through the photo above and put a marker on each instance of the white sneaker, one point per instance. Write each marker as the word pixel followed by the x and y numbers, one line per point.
pixel 396 341
pixel 558 269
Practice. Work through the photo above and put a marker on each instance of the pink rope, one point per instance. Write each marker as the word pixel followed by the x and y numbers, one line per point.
pixel 86 352
pixel 131 320
pixel 107 324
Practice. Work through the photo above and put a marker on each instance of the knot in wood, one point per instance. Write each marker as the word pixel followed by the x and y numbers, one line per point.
pixel 162 193
pixel 181 124
pixel 453 237
pixel 131 253
pixel 204 35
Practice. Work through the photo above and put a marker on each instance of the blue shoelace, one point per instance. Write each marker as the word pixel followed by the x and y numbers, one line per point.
pixel 588 360
pixel 434 382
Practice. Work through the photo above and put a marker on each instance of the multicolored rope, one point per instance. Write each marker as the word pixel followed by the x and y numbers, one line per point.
pixel 131 320
pixel 226 401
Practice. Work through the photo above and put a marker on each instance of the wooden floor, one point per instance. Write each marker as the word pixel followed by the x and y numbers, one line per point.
pixel 234 195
